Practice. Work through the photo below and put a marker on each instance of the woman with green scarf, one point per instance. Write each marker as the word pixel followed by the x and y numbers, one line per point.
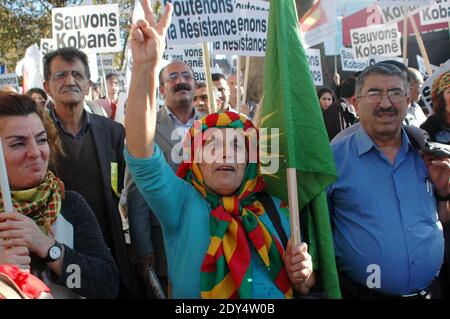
pixel 220 242
pixel 52 232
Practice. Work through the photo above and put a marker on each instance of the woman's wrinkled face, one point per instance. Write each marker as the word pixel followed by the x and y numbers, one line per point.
pixel 223 162
pixel 26 150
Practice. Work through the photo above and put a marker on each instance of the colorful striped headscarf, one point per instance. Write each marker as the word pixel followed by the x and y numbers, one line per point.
pixel 234 223
pixel 440 85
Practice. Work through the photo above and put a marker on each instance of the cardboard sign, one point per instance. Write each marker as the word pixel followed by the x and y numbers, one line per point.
pixel 319 23
pixel 439 12
pixel 425 90
pixel 376 40
pixel 422 68
pixel 9 79
pixel 192 55
pixel 349 63
pixel 88 28
pixel 372 15
pixel 251 39
pixel 404 3
pixel 397 13
pixel 315 65
pixel 206 21
pixel 105 64
pixel 46 46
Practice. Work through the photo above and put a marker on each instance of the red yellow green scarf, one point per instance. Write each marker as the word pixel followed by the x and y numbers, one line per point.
pixel 41 203
pixel 234 224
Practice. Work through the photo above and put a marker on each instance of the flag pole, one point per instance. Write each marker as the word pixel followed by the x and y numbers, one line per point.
pixel 293 206
pixel 209 84
pixel 423 51
pixel 238 84
pixel 4 184
pixel 405 37
pixel 247 72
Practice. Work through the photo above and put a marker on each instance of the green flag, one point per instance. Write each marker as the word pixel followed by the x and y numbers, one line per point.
pixel 290 103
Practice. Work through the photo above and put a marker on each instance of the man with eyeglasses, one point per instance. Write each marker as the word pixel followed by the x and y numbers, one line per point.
pixel 387 236
pixel 93 164
pixel 174 119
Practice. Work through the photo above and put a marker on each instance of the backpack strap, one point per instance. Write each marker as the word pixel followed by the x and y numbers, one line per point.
pixel 267 201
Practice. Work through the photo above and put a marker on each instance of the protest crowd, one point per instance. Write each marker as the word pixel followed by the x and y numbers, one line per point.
pixel 165 180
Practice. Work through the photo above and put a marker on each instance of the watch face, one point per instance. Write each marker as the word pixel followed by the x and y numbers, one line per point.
pixel 55 252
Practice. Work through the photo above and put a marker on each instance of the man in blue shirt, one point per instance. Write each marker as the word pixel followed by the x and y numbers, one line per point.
pixel 388 239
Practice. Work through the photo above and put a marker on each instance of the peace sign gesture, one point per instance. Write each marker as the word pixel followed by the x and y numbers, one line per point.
pixel 148 37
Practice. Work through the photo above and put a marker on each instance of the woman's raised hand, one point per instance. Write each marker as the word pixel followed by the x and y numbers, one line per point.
pixel 148 37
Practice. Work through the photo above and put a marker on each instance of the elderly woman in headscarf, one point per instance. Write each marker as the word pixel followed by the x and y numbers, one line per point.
pixel 50 231
pixel 220 242
pixel 438 124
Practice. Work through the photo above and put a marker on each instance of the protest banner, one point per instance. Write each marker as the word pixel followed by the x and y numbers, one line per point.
pixel 46 46
pixel 88 28
pixel 206 21
pixel 9 79
pixel 349 63
pixel 105 63
pixel 404 3
pixel 425 90
pixel 250 40
pixel 421 66
pixel 376 40
pixel 372 15
pixel 315 65
pixel 439 12
pixel 192 55
pixel 395 14
pixel 318 23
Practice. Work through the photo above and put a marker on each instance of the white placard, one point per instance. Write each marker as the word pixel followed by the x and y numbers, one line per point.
pixel 88 28
pixel 394 14
pixel 192 55
pixel 315 65
pixel 437 13
pixel 349 63
pixel 206 21
pixel 120 112
pixel 105 65
pixel 422 68
pixel 425 90
pixel 251 39
pixel 405 3
pixel 46 46
pixel 376 40
pixel 319 24
pixel 9 79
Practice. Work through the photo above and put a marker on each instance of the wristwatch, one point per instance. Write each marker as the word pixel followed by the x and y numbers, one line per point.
pixel 54 253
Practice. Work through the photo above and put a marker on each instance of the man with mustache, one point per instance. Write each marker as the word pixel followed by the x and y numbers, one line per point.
pixel 174 119
pixel 386 201
pixel 93 163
